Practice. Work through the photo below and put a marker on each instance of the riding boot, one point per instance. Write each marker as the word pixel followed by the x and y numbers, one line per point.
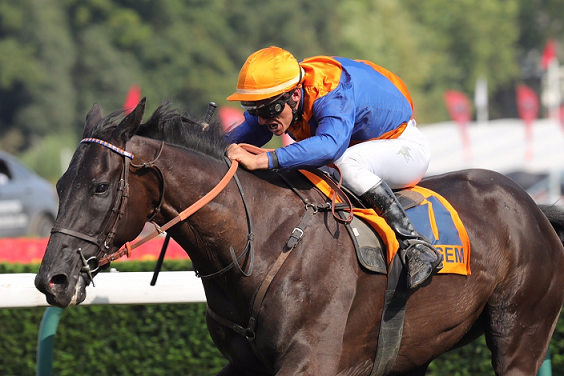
pixel 422 258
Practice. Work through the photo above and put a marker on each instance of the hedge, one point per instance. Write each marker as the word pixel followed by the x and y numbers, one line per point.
pixel 166 339
pixel 162 339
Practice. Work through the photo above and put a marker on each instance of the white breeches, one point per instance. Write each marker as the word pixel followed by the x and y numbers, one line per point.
pixel 400 162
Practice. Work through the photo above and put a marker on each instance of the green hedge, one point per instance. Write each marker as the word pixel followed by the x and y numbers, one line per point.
pixel 162 339
pixel 165 339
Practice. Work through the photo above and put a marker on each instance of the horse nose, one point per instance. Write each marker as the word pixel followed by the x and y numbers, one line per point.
pixel 52 285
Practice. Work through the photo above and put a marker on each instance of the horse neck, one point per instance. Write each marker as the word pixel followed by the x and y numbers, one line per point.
pixel 189 176
pixel 208 234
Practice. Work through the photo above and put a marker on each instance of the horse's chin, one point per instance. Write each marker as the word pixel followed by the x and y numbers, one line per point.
pixel 79 292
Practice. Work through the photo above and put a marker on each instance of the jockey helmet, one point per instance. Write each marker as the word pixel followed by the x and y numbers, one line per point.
pixel 267 73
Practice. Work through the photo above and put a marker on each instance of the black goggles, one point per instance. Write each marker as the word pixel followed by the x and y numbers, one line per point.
pixel 269 110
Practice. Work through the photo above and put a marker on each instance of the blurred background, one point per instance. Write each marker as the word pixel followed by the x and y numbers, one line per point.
pixel 485 78
pixel 57 58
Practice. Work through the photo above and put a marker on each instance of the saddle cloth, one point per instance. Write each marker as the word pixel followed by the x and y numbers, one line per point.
pixel 432 216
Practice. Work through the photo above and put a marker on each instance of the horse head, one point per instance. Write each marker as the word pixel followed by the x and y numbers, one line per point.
pixel 93 210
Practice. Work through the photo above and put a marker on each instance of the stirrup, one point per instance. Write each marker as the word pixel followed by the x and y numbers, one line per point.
pixel 425 267
pixel 412 242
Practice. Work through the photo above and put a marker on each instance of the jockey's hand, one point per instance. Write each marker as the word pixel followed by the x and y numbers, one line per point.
pixel 248 160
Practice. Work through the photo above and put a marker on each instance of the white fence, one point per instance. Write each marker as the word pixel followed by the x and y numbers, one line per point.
pixel 18 290
pixel 501 145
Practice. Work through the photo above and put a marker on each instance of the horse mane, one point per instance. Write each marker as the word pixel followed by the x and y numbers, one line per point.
pixel 171 126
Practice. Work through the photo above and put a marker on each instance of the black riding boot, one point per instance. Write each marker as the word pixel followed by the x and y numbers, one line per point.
pixel 422 258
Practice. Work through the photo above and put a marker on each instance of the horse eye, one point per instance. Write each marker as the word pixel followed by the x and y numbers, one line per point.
pixel 101 188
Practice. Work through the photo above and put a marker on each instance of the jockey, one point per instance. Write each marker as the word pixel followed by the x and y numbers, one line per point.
pixel 354 114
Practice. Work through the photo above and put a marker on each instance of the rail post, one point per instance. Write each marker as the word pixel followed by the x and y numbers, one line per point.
pixel 546 368
pixel 46 341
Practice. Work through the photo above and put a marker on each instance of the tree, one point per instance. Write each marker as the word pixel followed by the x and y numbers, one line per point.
pixel 468 39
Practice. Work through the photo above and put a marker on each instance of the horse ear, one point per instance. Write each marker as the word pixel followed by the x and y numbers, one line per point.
pixel 92 118
pixel 130 124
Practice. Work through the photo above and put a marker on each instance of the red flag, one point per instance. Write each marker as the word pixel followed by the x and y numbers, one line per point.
pixel 528 107
pixel 548 54
pixel 132 99
pixel 230 117
pixel 460 109
pixel 458 105
pixel 527 103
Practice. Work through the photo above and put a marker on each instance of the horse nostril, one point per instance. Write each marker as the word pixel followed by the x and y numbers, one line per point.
pixel 58 281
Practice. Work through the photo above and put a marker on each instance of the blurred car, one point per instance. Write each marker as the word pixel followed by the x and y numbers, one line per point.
pixel 28 203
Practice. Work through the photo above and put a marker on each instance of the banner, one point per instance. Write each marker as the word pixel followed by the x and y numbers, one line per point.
pixel 230 117
pixel 460 110
pixel 548 54
pixel 527 103
pixel 287 140
pixel 31 250
pixel 528 106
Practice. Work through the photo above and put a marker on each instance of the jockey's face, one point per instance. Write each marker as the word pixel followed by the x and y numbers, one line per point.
pixel 278 125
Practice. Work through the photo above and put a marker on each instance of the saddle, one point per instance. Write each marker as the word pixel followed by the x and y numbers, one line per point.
pixel 431 214
pixel 369 246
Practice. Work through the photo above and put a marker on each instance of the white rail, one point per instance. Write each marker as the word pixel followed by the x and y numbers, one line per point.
pixel 18 290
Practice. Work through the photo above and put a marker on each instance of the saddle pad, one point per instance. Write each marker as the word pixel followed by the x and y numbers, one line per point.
pixel 434 218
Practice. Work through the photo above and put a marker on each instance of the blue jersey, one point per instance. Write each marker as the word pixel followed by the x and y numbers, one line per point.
pixel 344 102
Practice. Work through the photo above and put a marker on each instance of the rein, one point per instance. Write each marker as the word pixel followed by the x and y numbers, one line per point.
pixel 295 236
pixel 231 173
pixel 92 264
pixel 128 247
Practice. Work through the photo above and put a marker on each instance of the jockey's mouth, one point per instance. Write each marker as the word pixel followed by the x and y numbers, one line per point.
pixel 274 127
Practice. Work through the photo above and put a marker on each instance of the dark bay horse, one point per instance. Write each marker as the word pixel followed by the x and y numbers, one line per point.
pixel 321 313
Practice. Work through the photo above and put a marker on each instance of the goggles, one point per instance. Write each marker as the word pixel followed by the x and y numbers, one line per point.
pixel 268 110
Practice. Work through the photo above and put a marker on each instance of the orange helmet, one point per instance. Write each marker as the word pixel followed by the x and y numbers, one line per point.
pixel 267 73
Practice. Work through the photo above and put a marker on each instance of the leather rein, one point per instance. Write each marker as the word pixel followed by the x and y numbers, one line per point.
pixel 92 264
pixel 101 258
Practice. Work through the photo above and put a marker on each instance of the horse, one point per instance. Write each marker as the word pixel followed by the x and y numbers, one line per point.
pixel 321 312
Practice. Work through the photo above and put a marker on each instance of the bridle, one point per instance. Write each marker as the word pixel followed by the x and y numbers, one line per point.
pixel 93 263
pixel 101 258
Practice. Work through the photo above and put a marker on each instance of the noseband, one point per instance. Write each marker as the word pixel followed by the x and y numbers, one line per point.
pixel 92 264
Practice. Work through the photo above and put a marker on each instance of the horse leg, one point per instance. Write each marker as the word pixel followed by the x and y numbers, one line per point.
pixel 521 323
pixel 314 337
pixel 518 347
pixel 298 360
